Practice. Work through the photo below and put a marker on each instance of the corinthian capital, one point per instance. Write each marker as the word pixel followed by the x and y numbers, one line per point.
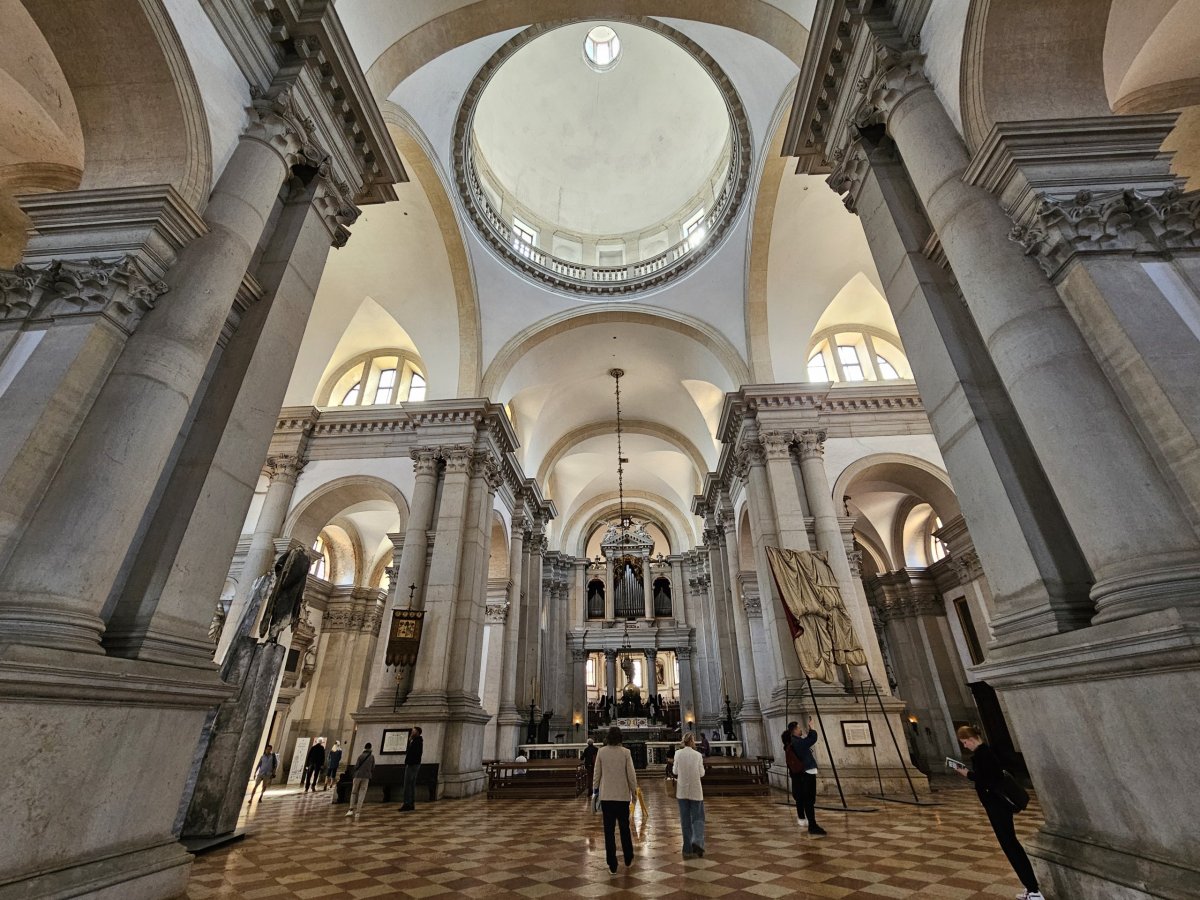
pixel 812 444
pixel 897 73
pixel 458 460
pixel 424 461
pixel 777 444
pixel 119 290
pixel 285 467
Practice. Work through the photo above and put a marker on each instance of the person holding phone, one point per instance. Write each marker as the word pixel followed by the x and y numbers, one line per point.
pixel 802 768
pixel 987 773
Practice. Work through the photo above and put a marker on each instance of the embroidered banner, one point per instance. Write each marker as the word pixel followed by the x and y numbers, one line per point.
pixel 404 637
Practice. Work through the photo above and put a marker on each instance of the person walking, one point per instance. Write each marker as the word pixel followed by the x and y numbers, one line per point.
pixel 802 767
pixel 689 769
pixel 364 768
pixel 264 772
pixel 314 765
pixel 617 785
pixel 987 774
pixel 335 760
pixel 412 768
pixel 589 763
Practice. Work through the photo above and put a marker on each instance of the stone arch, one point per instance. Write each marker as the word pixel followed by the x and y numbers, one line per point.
pixel 421 159
pixel 745 538
pixel 316 509
pixel 498 555
pixel 472 21
pixel 1152 55
pixel 1031 59
pixel 141 114
pixel 902 473
pixel 576 436
pixel 573 535
pixel 601 313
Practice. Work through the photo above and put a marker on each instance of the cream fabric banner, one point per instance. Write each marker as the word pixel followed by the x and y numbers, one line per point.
pixel 822 632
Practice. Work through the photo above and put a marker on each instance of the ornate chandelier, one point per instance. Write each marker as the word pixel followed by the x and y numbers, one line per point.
pixel 624 536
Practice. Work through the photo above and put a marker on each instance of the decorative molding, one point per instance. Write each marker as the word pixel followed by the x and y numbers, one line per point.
pixel 496 613
pixel 776 444
pixel 285 467
pixel 752 605
pixel 120 290
pixel 812 444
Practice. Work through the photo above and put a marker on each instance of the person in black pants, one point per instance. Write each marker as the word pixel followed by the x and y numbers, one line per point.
pixel 802 768
pixel 412 768
pixel 616 781
pixel 987 773
pixel 314 765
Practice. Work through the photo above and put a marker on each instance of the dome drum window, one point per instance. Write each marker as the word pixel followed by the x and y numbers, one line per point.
pixel 377 378
pixel 602 48
pixel 856 354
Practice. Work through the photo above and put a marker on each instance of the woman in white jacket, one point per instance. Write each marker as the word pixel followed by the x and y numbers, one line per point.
pixel 689 769
pixel 616 782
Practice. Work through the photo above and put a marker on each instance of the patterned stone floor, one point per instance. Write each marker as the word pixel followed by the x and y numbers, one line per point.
pixel 303 846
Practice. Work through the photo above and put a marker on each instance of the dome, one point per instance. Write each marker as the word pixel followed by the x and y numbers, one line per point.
pixel 602 156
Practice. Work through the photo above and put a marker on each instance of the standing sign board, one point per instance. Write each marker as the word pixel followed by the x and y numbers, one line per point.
pixel 296 772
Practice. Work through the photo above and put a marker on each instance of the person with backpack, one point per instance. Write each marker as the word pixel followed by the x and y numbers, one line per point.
pixel 364 768
pixel 1001 797
pixel 264 772
pixel 802 769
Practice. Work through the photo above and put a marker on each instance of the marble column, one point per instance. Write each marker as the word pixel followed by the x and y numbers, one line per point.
pixel 749 714
pixel 508 718
pixel 99 495
pixel 648 589
pixel 531 618
pixel 610 594
pixel 716 600
pixel 579 701
pixel 281 471
pixel 811 445
pixel 579 596
pixel 1140 546
pixel 410 571
pixel 687 691
pixel 651 672
pixel 678 589
pixel 610 673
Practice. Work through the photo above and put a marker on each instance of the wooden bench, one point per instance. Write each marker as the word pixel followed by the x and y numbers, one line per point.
pixel 536 779
pixel 392 776
pixel 735 776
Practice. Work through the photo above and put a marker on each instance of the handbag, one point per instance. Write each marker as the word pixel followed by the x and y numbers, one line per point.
pixel 1012 792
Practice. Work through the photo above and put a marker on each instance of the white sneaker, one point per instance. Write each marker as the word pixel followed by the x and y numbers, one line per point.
pixel 349 814
pixel 803 823
pixel 1030 895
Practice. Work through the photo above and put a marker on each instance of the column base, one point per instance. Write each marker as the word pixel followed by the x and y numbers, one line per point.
pixel 125 731
pixel 1100 714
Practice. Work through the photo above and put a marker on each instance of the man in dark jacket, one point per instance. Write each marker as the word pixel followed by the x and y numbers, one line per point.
pixel 802 767
pixel 412 768
pixel 314 765
pixel 589 762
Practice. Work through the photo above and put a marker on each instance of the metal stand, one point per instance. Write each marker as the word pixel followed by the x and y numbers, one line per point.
pixel 845 807
pixel 882 795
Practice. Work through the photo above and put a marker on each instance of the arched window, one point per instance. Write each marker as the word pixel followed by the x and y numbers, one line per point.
pixel 320 565
pixel 856 353
pixel 376 378
pixel 937 549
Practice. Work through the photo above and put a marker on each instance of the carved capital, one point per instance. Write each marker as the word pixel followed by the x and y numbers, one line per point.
pixel 334 201
pixel 277 121
pixel 683 653
pixel 458 460
pixel 285 467
pixel 610 654
pixel 752 454
pixel 1122 221
pixel 579 656
pixel 966 566
pixel 850 168
pixel 777 444
pixel 854 557
pixel 424 461
pixel 753 606
pixel 118 289
pixel 897 73
pixel 496 613
pixel 812 444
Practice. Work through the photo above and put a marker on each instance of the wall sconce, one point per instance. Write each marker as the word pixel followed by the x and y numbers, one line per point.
pixel 912 719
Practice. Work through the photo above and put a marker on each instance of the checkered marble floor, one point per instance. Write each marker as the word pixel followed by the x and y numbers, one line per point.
pixel 303 846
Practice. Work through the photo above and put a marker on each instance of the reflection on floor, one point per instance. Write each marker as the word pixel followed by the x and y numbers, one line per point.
pixel 303 846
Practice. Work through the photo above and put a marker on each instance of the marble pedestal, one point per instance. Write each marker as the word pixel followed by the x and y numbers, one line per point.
pixel 105 745
pixel 232 741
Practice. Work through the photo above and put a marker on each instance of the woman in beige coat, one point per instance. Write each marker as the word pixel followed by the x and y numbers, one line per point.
pixel 617 783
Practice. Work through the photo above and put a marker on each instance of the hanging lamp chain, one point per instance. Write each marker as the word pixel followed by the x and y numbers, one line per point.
pixel 616 374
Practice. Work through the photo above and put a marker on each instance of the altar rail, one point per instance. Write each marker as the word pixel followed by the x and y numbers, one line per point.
pixel 535 779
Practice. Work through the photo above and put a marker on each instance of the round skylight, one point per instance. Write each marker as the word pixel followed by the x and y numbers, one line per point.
pixel 602 48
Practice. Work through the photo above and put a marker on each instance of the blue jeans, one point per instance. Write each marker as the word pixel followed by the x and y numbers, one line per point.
pixel 691 821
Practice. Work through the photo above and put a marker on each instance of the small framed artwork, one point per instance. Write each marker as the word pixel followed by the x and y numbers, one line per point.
pixel 395 740
pixel 857 733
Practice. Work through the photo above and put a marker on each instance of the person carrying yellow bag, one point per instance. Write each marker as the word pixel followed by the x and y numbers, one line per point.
pixel 616 784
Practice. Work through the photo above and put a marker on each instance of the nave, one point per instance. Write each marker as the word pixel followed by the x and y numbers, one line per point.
pixel 302 846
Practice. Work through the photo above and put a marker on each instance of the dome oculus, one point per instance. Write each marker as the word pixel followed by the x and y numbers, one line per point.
pixel 602 48
pixel 602 186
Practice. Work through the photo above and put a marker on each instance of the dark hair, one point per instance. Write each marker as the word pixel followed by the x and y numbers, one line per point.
pixel 969 731
pixel 367 746
pixel 787 735
pixel 416 730
pixel 614 736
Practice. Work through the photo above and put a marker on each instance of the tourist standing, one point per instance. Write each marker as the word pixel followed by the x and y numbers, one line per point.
pixel 364 768
pixel 589 763
pixel 335 760
pixel 617 785
pixel 264 772
pixel 689 769
pixel 412 768
pixel 802 767
pixel 987 774
pixel 314 765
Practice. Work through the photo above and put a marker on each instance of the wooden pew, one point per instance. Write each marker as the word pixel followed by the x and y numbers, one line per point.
pixel 735 776
pixel 535 779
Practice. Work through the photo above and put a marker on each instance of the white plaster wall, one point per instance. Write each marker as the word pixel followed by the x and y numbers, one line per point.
pixel 942 44
pixel 841 452
pixel 397 471
pixel 224 91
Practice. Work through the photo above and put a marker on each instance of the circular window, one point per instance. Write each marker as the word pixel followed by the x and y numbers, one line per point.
pixel 602 48
pixel 575 181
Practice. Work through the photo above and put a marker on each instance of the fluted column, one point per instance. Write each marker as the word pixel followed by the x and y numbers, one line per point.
pixel 1149 560
pixel 508 718
pixel 282 471
pixel 811 446
pixel 409 572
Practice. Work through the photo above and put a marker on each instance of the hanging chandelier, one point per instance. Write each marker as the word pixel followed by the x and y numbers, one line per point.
pixel 625 535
